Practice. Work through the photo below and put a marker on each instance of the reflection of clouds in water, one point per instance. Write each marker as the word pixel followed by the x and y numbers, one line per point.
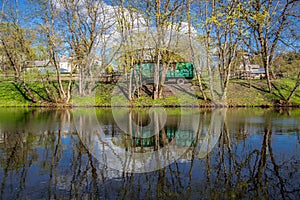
pixel 213 133
pixel 286 122
pixel 124 121
pixel 125 152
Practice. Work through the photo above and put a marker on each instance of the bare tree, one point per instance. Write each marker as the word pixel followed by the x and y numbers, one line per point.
pixel 267 20
pixel 90 30
pixel 206 11
pixel 158 22
pixel 65 94
pixel 228 34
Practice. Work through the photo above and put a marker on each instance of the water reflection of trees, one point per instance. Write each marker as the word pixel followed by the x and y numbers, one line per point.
pixel 239 171
pixel 236 168
pixel 23 134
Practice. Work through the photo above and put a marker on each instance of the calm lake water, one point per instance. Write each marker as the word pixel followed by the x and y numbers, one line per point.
pixel 149 153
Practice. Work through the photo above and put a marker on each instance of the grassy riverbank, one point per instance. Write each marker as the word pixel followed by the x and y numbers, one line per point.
pixel 240 93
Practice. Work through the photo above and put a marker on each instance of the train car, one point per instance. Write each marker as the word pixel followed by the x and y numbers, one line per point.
pixel 179 72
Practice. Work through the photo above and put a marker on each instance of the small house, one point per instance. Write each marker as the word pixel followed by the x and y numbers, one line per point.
pixel 258 73
pixel 42 65
pixel 252 71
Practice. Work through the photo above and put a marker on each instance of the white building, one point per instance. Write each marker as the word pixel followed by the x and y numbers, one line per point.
pixel 41 65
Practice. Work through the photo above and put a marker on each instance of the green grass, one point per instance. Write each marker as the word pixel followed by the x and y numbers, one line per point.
pixel 257 95
pixel 239 94
pixel 10 96
pixel 13 95
pixel 283 88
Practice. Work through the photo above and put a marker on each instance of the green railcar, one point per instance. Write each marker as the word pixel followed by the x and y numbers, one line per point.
pixel 179 72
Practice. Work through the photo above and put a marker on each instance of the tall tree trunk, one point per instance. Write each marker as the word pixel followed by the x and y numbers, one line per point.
pixel 198 74
pixel 80 82
pixel 197 71
pixel 62 94
pixel 225 86
pixel 156 77
pixel 264 55
pixel 208 53
pixel 130 84
pixel 50 25
pixel 267 67
pixel 162 81
pixel 210 73
pixel 158 59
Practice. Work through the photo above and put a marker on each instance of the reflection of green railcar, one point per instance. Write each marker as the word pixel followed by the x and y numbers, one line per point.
pixel 178 72
pixel 182 138
pixel 144 142
pixel 185 138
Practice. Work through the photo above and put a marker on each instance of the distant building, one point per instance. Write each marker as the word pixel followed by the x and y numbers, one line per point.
pixel 42 65
pixel 37 64
pixel 65 63
pixel 252 71
pixel 249 67
pixel 258 73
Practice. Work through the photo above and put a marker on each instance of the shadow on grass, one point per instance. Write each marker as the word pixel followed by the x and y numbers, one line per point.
pixel 24 95
pixel 181 89
pixel 41 96
pixel 146 90
pixel 244 84
pixel 279 91
pixel 123 90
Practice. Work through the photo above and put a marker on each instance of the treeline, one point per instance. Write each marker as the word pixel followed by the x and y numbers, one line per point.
pixel 214 35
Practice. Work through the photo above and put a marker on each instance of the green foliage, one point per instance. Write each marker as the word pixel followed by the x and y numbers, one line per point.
pixel 16 43
pixel 287 63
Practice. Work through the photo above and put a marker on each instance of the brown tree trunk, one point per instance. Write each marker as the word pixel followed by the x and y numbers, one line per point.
pixel 130 84
pixel 200 85
pixel 225 84
pixel 156 67
pixel 162 81
pixel 156 78
pixel 265 57
pixel 268 76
